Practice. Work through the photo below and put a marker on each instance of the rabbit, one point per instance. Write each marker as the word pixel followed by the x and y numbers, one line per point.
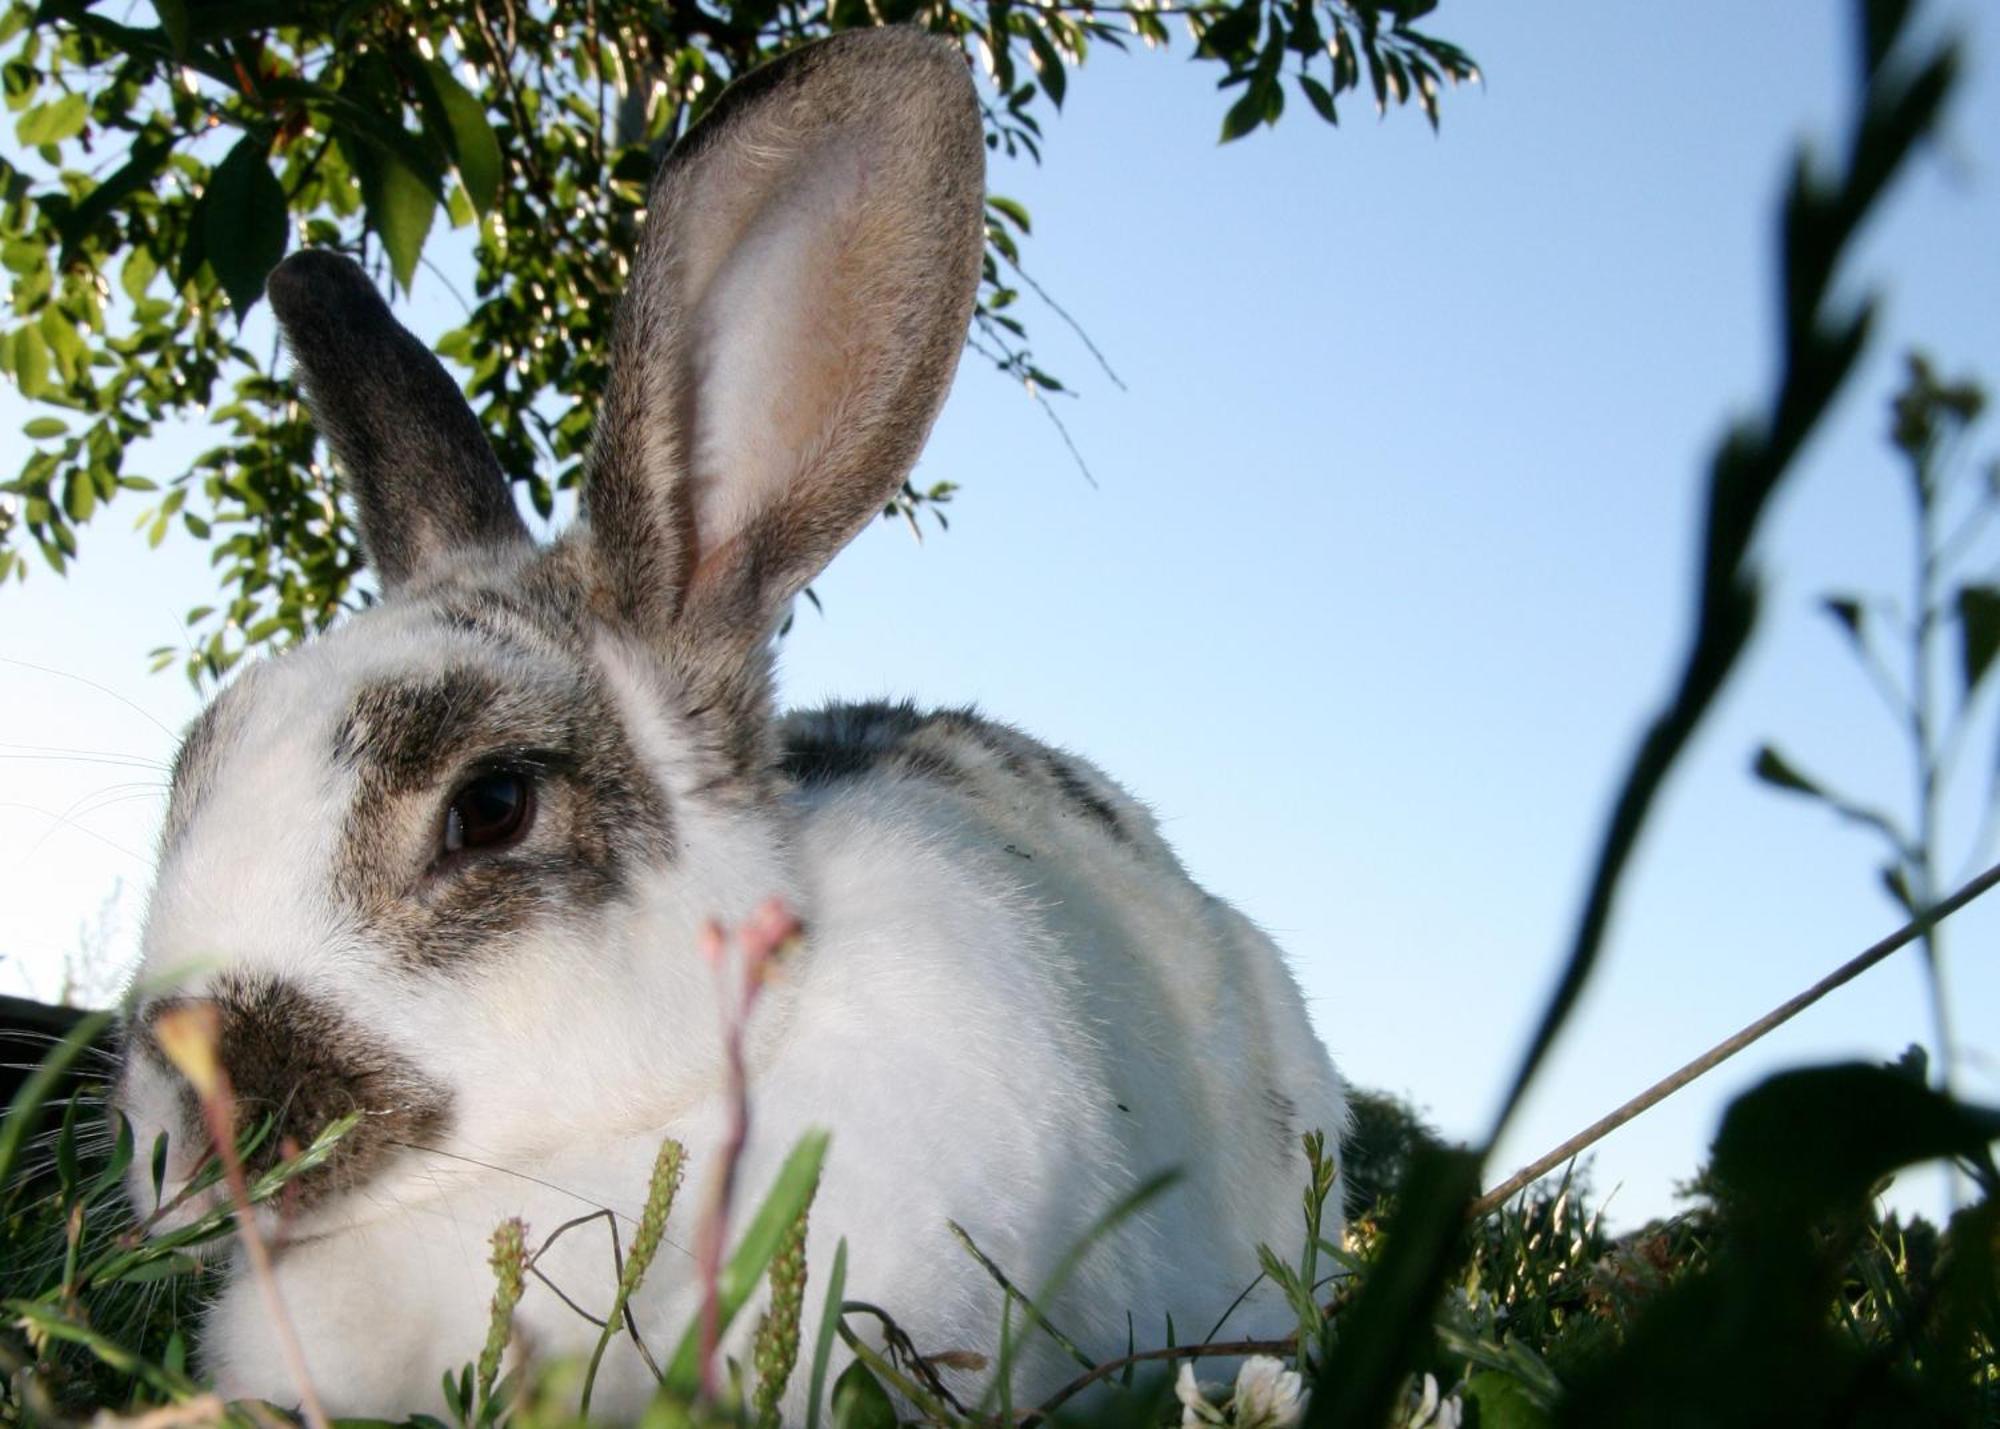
pixel 450 864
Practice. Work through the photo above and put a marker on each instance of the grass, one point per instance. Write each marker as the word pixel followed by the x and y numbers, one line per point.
pixel 1546 1319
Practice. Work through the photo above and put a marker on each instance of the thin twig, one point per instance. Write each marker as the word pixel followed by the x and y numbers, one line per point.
pixel 1074 326
pixel 1730 1046
pixel 903 1349
pixel 1041 1321
pixel 557 1291
pixel 1218 1349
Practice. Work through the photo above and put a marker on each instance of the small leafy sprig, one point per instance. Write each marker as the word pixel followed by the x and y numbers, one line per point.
pixel 1952 618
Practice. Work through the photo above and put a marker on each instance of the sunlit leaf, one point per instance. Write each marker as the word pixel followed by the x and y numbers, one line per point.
pixel 401 209
pixel 475 152
pixel 55 121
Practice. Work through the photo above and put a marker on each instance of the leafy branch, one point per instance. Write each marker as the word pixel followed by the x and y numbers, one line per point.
pixel 164 169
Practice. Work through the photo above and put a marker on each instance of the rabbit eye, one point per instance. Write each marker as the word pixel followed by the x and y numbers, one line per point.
pixel 490 810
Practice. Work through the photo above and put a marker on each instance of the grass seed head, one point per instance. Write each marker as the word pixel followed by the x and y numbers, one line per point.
pixel 776 1349
pixel 660 1193
pixel 510 1272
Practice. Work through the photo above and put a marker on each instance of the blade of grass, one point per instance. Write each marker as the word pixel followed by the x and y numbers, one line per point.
pixel 829 1321
pixel 789 1193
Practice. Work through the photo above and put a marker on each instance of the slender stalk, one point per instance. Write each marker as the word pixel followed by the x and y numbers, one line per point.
pixel 1214 1349
pixel 1911 931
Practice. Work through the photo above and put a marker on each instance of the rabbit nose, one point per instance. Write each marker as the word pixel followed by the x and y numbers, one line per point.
pixel 292 1064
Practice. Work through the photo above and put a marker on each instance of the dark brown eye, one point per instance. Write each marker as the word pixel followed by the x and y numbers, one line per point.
pixel 490 810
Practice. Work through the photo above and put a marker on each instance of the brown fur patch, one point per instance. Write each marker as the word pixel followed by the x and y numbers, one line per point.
pixel 427 486
pixel 294 1058
pixel 413 741
pixel 852 741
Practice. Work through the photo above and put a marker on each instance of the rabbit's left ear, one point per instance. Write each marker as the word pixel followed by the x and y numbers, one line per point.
pixel 428 489
pixel 796 312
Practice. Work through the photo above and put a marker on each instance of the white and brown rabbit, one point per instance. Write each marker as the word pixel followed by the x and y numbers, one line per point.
pixel 449 864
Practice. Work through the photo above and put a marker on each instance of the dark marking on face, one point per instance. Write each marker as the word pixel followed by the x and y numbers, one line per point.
pixel 405 734
pixel 290 1056
pixel 544 610
pixel 413 741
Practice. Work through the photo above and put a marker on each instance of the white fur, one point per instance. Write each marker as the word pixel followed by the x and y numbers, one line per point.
pixel 1008 1013
pixel 985 984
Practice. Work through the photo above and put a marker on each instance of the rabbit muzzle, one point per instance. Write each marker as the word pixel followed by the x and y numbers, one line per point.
pixel 291 1065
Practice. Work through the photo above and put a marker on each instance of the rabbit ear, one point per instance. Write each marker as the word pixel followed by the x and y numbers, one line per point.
pixel 795 315
pixel 426 482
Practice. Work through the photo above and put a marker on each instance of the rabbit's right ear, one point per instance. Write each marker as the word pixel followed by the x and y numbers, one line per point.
pixel 796 312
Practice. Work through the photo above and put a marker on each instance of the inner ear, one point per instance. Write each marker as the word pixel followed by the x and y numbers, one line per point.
pixel 796 314
pixel 782 345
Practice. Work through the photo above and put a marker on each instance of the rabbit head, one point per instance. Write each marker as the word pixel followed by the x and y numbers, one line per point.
pixel 445 865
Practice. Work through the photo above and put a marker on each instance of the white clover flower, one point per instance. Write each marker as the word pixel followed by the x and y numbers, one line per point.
pixel 1268 1396
pixel 1430 1411
pixel 1196 1407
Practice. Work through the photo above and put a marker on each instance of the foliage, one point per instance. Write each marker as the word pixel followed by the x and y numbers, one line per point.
pixel 1903 90
pixel 1949 621
pixel 1386 1135
pixel 1797 1302
pixel 166 168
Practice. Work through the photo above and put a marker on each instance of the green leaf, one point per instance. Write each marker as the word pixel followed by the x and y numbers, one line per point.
pixel 1978 632
pixel 244 223
pixel 31 362
pixel 1048 65
pixel 165 1268
pixel 468 137
pixel 1245 114
pixel 401 208
pixel 860 1402
pixel 42 428
pixel 23 256
pixel 174 21
pixel 1236 32
pixel 829 1320
pixel 1317 95
pixel 53 122
pixel 1504 1403
pixel 1016 211
pixel 79 496
pixel 789 1194
pixel 137 172
pixel 1774 769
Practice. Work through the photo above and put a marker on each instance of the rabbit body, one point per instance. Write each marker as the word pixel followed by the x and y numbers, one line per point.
pixel 1006 1014
pixel 451 864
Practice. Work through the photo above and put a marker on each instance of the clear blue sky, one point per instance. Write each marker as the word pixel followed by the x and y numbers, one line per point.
pixel 1391 554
